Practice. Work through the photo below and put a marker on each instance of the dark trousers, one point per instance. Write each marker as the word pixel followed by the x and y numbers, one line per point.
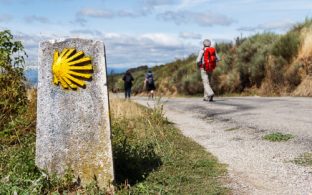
pixel 127 92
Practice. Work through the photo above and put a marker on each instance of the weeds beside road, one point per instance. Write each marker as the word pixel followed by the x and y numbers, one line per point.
pixel 180 165
pixel 150 156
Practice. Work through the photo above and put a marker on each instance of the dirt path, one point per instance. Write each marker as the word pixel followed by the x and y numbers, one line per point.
pixel 232 129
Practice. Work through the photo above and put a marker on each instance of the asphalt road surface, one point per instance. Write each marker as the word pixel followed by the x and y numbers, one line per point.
pixel 232 128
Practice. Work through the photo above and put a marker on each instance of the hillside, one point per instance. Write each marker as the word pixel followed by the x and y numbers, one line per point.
pixel 263 64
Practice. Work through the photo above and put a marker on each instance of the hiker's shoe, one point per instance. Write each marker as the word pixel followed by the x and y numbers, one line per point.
pixel 211 98
pixel 206 99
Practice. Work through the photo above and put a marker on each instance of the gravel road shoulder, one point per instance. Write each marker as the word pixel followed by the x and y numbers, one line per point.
pixel 256 166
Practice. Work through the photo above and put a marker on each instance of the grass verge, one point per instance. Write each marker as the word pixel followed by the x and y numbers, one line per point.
pixel 278 137
pixel 184 167
pixel 150 156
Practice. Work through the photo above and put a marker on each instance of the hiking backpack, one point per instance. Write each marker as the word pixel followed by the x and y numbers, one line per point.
pixel 150 79
pixel 210 59
pixel 128 78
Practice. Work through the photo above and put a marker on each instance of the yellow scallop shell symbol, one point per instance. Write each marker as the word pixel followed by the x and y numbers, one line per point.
pixel 71 68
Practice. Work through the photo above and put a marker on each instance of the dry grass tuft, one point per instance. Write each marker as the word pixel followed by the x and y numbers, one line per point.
pixel 305 88
pixel 306 49
pixel 229 82
pixel 124 109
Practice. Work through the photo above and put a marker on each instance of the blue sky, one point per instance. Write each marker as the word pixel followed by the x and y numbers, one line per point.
pixel 147 32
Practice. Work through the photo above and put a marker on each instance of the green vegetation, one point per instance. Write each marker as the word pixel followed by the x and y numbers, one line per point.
pixel 179 165
pixel 178 77
pixel 150 156
pixel 304 159
pixel 263 64
pixel 12 81
pixel 278 137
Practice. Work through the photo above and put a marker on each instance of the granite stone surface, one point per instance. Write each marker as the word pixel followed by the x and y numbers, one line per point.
pixel 73 126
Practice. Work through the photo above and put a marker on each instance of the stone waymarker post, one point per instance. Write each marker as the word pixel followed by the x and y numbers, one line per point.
pixel 73 127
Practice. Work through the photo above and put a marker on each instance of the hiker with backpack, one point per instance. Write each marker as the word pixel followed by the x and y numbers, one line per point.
pixel 150 84
pixel 128 78
pixel 206 62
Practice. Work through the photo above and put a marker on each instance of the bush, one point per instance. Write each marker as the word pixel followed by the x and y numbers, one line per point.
pixel 12 80
pixel 252 58
pixel 287 46
pixel 190 85
pixel 223 47
pixel 275 70
pixel 306 24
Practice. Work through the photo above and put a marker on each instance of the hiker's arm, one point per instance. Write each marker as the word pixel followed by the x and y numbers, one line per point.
pixel 199 58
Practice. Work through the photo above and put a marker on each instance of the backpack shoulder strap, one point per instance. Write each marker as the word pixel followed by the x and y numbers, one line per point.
pixel 204 49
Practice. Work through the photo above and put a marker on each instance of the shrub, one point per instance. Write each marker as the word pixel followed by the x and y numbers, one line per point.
pixel 287 46
pixel 306 24
pixel 12 80
pixel 190 84
pixel 275 70
pixel 252 58
pixel 228 62
pixel 223 47
pixel 292 76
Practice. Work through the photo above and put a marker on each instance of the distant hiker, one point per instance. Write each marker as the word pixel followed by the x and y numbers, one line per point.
pixel 128 78
pixel 150 84
pixel 206 62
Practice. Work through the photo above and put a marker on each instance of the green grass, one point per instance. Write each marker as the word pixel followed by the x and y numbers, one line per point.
pixel 304 159
pixel 150 157
pixel 18 172
pixel 184 166
pixel 278 137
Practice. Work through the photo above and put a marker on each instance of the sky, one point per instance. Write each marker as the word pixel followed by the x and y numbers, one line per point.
pixel 146 32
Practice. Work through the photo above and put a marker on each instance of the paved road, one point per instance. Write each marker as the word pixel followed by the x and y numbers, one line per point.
pixel 232 129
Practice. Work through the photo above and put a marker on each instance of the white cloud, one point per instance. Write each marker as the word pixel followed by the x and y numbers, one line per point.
pixel 280 25
pixel 151 4
pixel 131 13
pixel 123 50
pixel 86 32
pixel 186 4
pixel 190 35
pixel 151 49
pixel 161 39
pixel 106 14
pixel 200 18
pixel 97 13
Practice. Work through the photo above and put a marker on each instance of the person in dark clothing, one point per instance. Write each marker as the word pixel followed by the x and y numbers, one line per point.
pixel 150 84
pixel 128 78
